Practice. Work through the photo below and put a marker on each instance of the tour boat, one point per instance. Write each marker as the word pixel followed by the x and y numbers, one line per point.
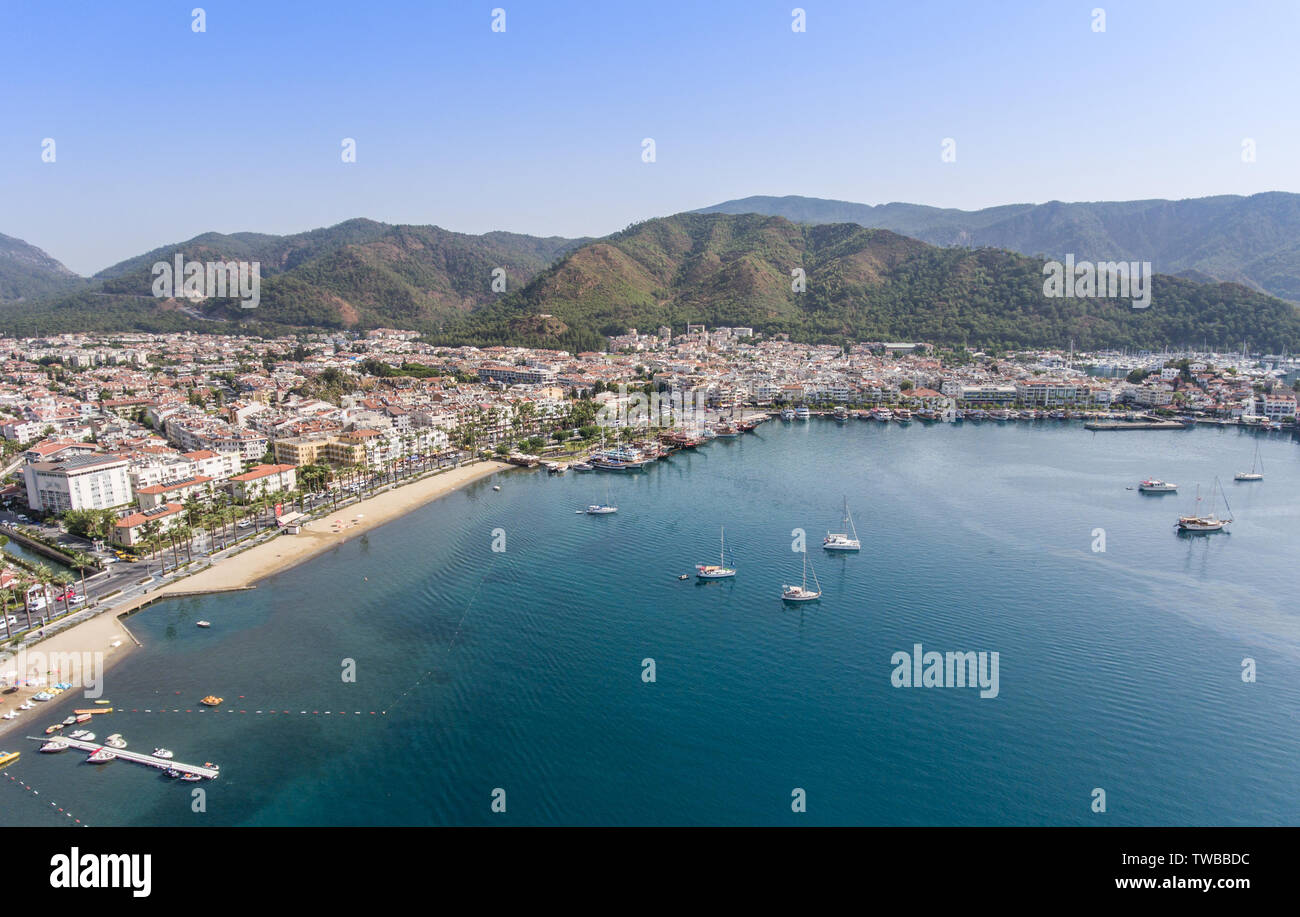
pixel 802 413
pixel 1156 486
pixel 1198 523
pixel 101 756
pixel 787 414
pixel 1252 475
pixel 581 466
pixel 803 593
pixel 725 431
pixel 211 701
pixel 203 623
pixel 162 753
pixel 842 541
pixel 720 570
pixel 841 414
pixel 903 416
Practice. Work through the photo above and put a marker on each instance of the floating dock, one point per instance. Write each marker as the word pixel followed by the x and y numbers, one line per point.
pixel 133 756
pixel 1134 425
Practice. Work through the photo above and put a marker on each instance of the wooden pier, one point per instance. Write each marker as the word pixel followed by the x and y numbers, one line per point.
pixel 133 756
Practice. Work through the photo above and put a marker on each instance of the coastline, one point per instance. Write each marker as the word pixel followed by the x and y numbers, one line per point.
pixel 244 570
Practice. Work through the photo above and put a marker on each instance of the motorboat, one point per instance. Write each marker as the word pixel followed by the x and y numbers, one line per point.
pixel 101 756
pixel 164 753
pixel 203 623
pixel 1156 486
pixel 115 741
pixel 212 701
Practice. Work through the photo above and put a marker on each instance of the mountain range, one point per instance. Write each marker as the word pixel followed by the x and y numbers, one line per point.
pixel 1253 240
pixel 893 271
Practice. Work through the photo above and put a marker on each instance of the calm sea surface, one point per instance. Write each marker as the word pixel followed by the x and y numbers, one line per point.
pixel 522 669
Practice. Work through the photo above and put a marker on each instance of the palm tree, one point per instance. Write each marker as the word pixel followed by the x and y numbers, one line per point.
pixel 63 581
pixel 149 533
pixel 43 575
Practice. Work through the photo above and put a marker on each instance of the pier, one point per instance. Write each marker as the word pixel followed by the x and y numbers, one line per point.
pixel 133 756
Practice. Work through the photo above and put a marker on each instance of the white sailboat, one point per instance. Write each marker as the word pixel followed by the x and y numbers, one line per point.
pixel 720 570
pixel 1252 475
pixel 1207 523
pixel 602 509
pixel 843 541
pixel 803 593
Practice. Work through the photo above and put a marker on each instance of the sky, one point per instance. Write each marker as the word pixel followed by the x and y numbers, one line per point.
pixel 162 132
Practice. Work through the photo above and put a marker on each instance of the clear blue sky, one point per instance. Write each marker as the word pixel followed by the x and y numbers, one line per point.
pixel 163 133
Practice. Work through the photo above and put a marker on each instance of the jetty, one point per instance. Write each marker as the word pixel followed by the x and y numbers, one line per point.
pixel 133 756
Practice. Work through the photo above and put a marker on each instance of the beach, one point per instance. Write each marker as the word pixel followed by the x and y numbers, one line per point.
pixel 106 633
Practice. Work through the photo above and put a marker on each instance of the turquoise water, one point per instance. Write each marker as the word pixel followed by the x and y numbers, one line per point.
pixel 1118 669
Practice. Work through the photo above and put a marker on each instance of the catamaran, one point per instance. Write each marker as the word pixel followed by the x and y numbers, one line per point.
pixel 842 541
pixel 803 593
pixel 1208 523
pixel 1252 475
pixel 720 570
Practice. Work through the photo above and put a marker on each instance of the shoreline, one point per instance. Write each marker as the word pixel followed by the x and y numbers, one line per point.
pixel 243 571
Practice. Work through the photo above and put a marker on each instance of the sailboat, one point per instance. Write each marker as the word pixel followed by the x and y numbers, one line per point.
pixel 842 541
pixel 720 570
pixel 1208 523
pixel 602 509
pixel 1252 475
pixel 803 593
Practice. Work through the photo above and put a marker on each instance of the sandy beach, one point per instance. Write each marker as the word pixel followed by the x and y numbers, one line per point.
pixel 100 633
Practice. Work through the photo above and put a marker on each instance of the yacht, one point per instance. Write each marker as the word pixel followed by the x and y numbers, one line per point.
pixel 802 412
pixel 1156 486
pixel 720 570
pixel 843 541
pixel 903 416
pixel 803 593
pixel 787 414
pixel 882 414
pixel 1198 523
pixel 1252 475
pixel 600 509
pixel 841 414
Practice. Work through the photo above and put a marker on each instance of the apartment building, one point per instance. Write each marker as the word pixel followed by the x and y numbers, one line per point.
pixel 77 482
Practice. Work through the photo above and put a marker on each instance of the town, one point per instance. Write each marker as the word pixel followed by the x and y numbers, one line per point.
pixel 130 447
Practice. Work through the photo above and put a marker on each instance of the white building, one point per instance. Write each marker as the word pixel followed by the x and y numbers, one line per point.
pixel 79 482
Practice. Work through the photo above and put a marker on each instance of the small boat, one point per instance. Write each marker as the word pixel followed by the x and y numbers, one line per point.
pixel 1252 475
pixel 191 778
pixel 212 701
pixel 496 486
pixel 51 730
pixel 84 734
pixel 8 757
pixel 720 570
pixel 101 756
pixel 1156 486
pixel 842 541
pixel 83 717
pixel 103 702
pixel 581 466
pixel 115 741
pixel 803 593
pixel 69 721
pixel 787 414
pixel 43 696
pixel 600 509
pixel 172 772
pixel 684 576
pixel 53 746
pixel 203 623
pixel 164 753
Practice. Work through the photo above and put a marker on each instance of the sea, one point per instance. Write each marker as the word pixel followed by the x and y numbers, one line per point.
pixel 497 658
